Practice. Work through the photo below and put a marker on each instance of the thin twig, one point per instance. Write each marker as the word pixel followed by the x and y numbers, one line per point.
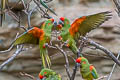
pixel 109 77
pixel 45 15
pixel 101 78
pixel 66 60
pixel 20 49
pixel 5 51
pixel 27 75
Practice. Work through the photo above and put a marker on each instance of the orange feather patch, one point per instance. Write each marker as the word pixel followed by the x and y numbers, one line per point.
pixel 91 68
pixel 76 25
pixel 39 33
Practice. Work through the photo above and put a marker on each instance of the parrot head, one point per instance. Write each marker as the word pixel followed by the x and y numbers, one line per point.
pixel 81 60
pixel 41 76
pixel 62 22
pixel 52 20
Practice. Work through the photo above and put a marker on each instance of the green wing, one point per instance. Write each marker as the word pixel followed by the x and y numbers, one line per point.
pixel 85 24
pixel 26 38
pixel 94 73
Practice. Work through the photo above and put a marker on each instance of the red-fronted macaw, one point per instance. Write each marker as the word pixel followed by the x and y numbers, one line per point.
pixel 48 74
pixel 39 36
pixel 70 33
pixel 87 70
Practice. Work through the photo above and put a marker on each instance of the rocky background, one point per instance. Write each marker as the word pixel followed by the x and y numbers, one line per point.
pixel 107 35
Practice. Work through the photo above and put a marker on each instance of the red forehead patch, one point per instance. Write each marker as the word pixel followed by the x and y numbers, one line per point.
pixel 40 76
pixel 52 20
pixel 62 18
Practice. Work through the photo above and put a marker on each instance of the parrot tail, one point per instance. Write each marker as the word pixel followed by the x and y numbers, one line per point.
pixel 45 59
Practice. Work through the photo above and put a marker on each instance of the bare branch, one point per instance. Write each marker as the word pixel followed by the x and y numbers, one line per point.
pixel 45 15
pixel 20 49
pixel 113 68
pixel 66 60
pixel 98 46
pixel 101 78
pixel 117 4
pixel 27 75
pixel 5 51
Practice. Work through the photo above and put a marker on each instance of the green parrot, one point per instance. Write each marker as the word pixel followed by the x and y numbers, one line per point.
pixel 87 70
pixel 48 74
pixel 39 36
pixel 47 7
pixel 80 27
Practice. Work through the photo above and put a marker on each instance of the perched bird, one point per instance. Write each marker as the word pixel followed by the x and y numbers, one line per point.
pixel 39 36
pixel 43 4
pixel 87 70
pixel 80 27
pixel 48 74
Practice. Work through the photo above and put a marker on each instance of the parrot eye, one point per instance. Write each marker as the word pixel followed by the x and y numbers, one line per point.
pixel 62 18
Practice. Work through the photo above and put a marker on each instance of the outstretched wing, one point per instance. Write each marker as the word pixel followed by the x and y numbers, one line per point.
pixel 85 24
pixel 26 38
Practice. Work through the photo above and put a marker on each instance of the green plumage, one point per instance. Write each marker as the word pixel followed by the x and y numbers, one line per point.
pixel 85 71
pixel 80 27
pixel 26 38
pixel 50 74
pixel 38 36
pixel 46 39
pixel 91 22
pixel 67 37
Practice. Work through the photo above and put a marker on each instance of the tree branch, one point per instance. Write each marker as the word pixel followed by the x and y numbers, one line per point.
pixel 113 68
pixel 19 49
pixel 98 46
pixel 66 60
